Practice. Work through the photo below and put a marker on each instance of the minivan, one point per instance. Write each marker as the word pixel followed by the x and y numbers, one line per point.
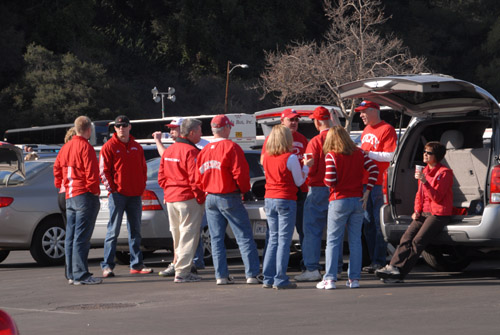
pixel 465 118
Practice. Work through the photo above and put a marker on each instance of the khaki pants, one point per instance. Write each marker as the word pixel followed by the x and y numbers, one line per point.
pixel 185 221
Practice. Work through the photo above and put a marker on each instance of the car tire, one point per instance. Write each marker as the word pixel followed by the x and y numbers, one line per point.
pixel 3 255
pixel 207 245
pixel 47 245
pixel 446 258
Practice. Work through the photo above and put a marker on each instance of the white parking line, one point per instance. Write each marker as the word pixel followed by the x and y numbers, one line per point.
pixel 36 310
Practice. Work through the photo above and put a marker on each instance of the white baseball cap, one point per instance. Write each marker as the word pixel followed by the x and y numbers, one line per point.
pixel 175 123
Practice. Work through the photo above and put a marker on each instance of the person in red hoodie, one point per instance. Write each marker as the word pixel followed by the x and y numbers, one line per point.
pixel 76 171
pixel 123 170
pixel 345 165
pixel 284 175
pixel 177 177
pixel 433 209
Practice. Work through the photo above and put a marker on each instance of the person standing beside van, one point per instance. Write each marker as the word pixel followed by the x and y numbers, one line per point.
pixel 379 141
pixel 345 166
pixel 284 175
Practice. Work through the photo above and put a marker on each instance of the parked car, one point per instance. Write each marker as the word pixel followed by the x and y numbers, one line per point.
pixel 465 117
pixel 30 218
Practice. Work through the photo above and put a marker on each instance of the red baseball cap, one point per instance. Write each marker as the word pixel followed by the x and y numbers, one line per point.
pixel 366 104
pixel 175 123
pixel 320 113
pixel 220 121
pixel 289 113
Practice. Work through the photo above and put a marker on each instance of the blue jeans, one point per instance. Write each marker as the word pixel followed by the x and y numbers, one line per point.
pixel 198 259
pixel 281 221
pixel 314 222
pixel 377 247
pixel 222 209
pixel 119 204
pixel 81 213
pixel 342 214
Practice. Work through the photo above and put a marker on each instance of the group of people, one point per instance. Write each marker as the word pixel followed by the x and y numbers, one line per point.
pixel 327 182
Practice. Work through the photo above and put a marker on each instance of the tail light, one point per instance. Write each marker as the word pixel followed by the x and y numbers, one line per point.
pixel 495 185
pixel 5 201
pixel 150 201
pixel 7 324
pixel 385 188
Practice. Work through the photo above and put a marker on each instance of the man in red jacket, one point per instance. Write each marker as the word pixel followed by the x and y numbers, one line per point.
pixel 76 169
pixel 223 173
pixel 123 169
pixel 183 198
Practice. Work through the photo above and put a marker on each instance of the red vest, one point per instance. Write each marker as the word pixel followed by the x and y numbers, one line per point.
pixel 279 180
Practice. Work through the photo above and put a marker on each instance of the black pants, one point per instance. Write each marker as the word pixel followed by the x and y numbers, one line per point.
pixel 414 241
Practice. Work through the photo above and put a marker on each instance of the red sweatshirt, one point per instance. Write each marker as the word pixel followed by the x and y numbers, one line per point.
pixel 76 168
pixel 344 174
pixel 222 168
pixel 177 173
pixel 436 195
pixel 122 167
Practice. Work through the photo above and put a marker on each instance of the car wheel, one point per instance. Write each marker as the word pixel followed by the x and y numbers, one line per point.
pixel 47 246
pixel 207 245
pixel 3 255
pixel 122 257
pixel 446 258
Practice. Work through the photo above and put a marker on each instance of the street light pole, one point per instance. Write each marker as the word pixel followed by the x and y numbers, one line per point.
pixel 157 96
pixel 228 71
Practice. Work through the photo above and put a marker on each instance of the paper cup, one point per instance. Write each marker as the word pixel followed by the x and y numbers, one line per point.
pixel 419 168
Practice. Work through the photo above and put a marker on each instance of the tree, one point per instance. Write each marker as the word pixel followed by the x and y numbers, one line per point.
pixel 352 50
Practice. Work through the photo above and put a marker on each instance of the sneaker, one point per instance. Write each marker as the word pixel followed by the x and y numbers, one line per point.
pixel 107 272
pixel 143 271
pixel 168 272
pixel 354 283
pixel 387 271
pixel 391 280
pixel 372 268
pixel 253 281
pixel 309 276
pixel 225 281
pixel 326 284
pixel 285 287
pixel 89 281
pixel 189 278
pixel 71 281
pixel 267 286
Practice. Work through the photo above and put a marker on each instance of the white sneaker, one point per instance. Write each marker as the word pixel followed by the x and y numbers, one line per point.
pixel 253 281
pixel 309 276
pixel 326 284
pixel 352 283
pixel 225 281
pixel 387 271
pixel 89 281
pixel 189 278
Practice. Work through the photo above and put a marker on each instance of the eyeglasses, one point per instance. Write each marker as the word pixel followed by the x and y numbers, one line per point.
pixel 428 152
pixel 121 125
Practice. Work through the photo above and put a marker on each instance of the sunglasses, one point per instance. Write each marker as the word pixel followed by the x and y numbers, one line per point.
pixel 121 125
pixel 428 152
pixel 294 119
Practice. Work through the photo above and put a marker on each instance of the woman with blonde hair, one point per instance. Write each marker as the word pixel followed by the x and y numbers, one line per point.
pixel 345 165
pixel 283 177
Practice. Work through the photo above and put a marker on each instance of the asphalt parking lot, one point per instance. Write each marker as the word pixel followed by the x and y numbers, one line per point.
pixel 41 302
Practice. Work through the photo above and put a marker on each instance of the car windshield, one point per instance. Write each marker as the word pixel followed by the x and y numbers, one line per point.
pixel 253 159
pixel 32 169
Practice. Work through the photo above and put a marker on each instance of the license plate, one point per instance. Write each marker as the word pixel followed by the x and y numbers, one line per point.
pixel 260 228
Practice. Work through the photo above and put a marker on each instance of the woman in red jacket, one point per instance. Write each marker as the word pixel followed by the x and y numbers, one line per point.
pixel 433 210
pixel 283 177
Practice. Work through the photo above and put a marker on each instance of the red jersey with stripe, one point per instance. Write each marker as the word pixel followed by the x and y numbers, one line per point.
pixel 344 174
pixel 317 170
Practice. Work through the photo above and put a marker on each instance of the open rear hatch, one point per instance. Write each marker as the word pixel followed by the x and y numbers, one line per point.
pixel 11 159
